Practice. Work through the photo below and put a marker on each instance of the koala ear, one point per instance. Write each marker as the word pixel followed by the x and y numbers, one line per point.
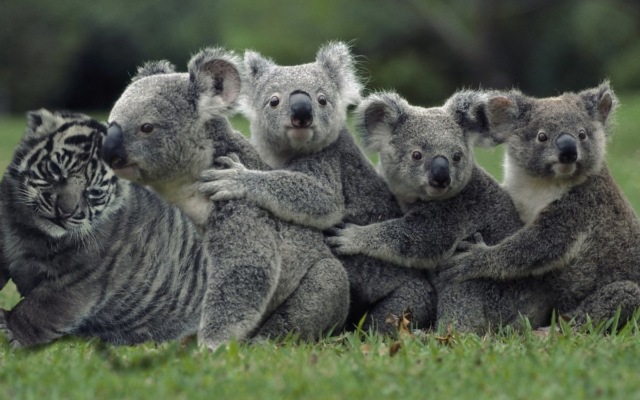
pixel 489 118
pixel 599 102
pixel 377 116
pixel 337 60
pixel 154 68
pixel 216 78
pixel 256 64
pixel 469 109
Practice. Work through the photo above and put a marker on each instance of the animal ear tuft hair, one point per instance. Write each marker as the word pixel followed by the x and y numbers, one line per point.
pixel 600 102
pixel 256 65
pixel 377 116
pixel 340 64
pixel 216 77
pixel 153 68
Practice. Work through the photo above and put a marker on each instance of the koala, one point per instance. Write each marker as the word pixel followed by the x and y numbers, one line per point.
pixel 426 156
pixel 298 117
pixel 581 235
pixel 269 278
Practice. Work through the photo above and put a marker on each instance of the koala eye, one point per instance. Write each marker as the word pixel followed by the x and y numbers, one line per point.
pixel 457 157
pixel 146 128
pixel 542 137
pixel 582 135
pixel 416 155
pixel 274 101
pixel 322 99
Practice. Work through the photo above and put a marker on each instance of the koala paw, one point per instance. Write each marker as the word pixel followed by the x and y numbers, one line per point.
pixel 469 243
pixel 13 342
pixel 221 190
pixel 224 184
pixel 231 162
pixel 461 267
pixel 344 240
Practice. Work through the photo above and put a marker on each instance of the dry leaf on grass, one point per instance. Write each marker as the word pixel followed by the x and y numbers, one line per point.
pixel 448 339
pixel 401 323
pixel 394 348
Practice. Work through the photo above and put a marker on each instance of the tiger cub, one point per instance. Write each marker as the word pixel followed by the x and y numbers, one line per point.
pixel 91 254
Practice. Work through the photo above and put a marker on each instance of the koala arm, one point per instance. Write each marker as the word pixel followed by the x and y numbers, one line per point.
pixel 415 240
pixel 305 197
pixel 551 242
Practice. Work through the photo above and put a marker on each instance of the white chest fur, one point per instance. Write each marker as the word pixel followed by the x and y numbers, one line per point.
pixel 532 195
pixel 196 206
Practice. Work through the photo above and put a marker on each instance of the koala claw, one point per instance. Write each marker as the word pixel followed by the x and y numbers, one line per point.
pixel 222 190
pixel 451 273
pixel 343 240
pixel 467 244
pixel 463 267
pixel 335 230
pixel 231 161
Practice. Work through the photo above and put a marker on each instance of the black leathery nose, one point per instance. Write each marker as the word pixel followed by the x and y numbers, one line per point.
pixel 112 151
pixel 439 172
pixel 301 110
pixel 567 148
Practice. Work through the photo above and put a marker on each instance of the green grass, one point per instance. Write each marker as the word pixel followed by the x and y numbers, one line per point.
pixel 509 365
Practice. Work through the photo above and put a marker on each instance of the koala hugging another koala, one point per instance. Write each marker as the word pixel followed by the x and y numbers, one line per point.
pixel 268 277
pixel 426 157
pixel 298 118
pixel 581 235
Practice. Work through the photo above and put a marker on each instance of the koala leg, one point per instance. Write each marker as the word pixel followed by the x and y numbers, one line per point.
pixel 318 304
pixel 462 306
pixel 604 302
pixel 243 276
pixel 415 295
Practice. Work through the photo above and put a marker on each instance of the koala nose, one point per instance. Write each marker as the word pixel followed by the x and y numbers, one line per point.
pixel 112 151
pixel 439 176
pixel 301 111
pixel 567 148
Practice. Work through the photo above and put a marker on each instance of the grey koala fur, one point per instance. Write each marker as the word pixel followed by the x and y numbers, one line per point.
pixel 298 124
pixel 581 234
pixel 270 278
pixel 426 157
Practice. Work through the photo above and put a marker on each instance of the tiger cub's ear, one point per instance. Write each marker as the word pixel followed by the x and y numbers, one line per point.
pixel 43 122
pixel 40 122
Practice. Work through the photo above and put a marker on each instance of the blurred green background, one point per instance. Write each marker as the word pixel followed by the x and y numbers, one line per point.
pixel 80 55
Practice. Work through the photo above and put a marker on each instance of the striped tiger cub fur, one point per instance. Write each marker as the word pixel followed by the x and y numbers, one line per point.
pixel 91 254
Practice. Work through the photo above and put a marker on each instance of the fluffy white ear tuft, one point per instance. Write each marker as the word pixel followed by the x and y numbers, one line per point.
pixel 377 116
pixel 340 64
pixel 600 102
pixel 216 77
